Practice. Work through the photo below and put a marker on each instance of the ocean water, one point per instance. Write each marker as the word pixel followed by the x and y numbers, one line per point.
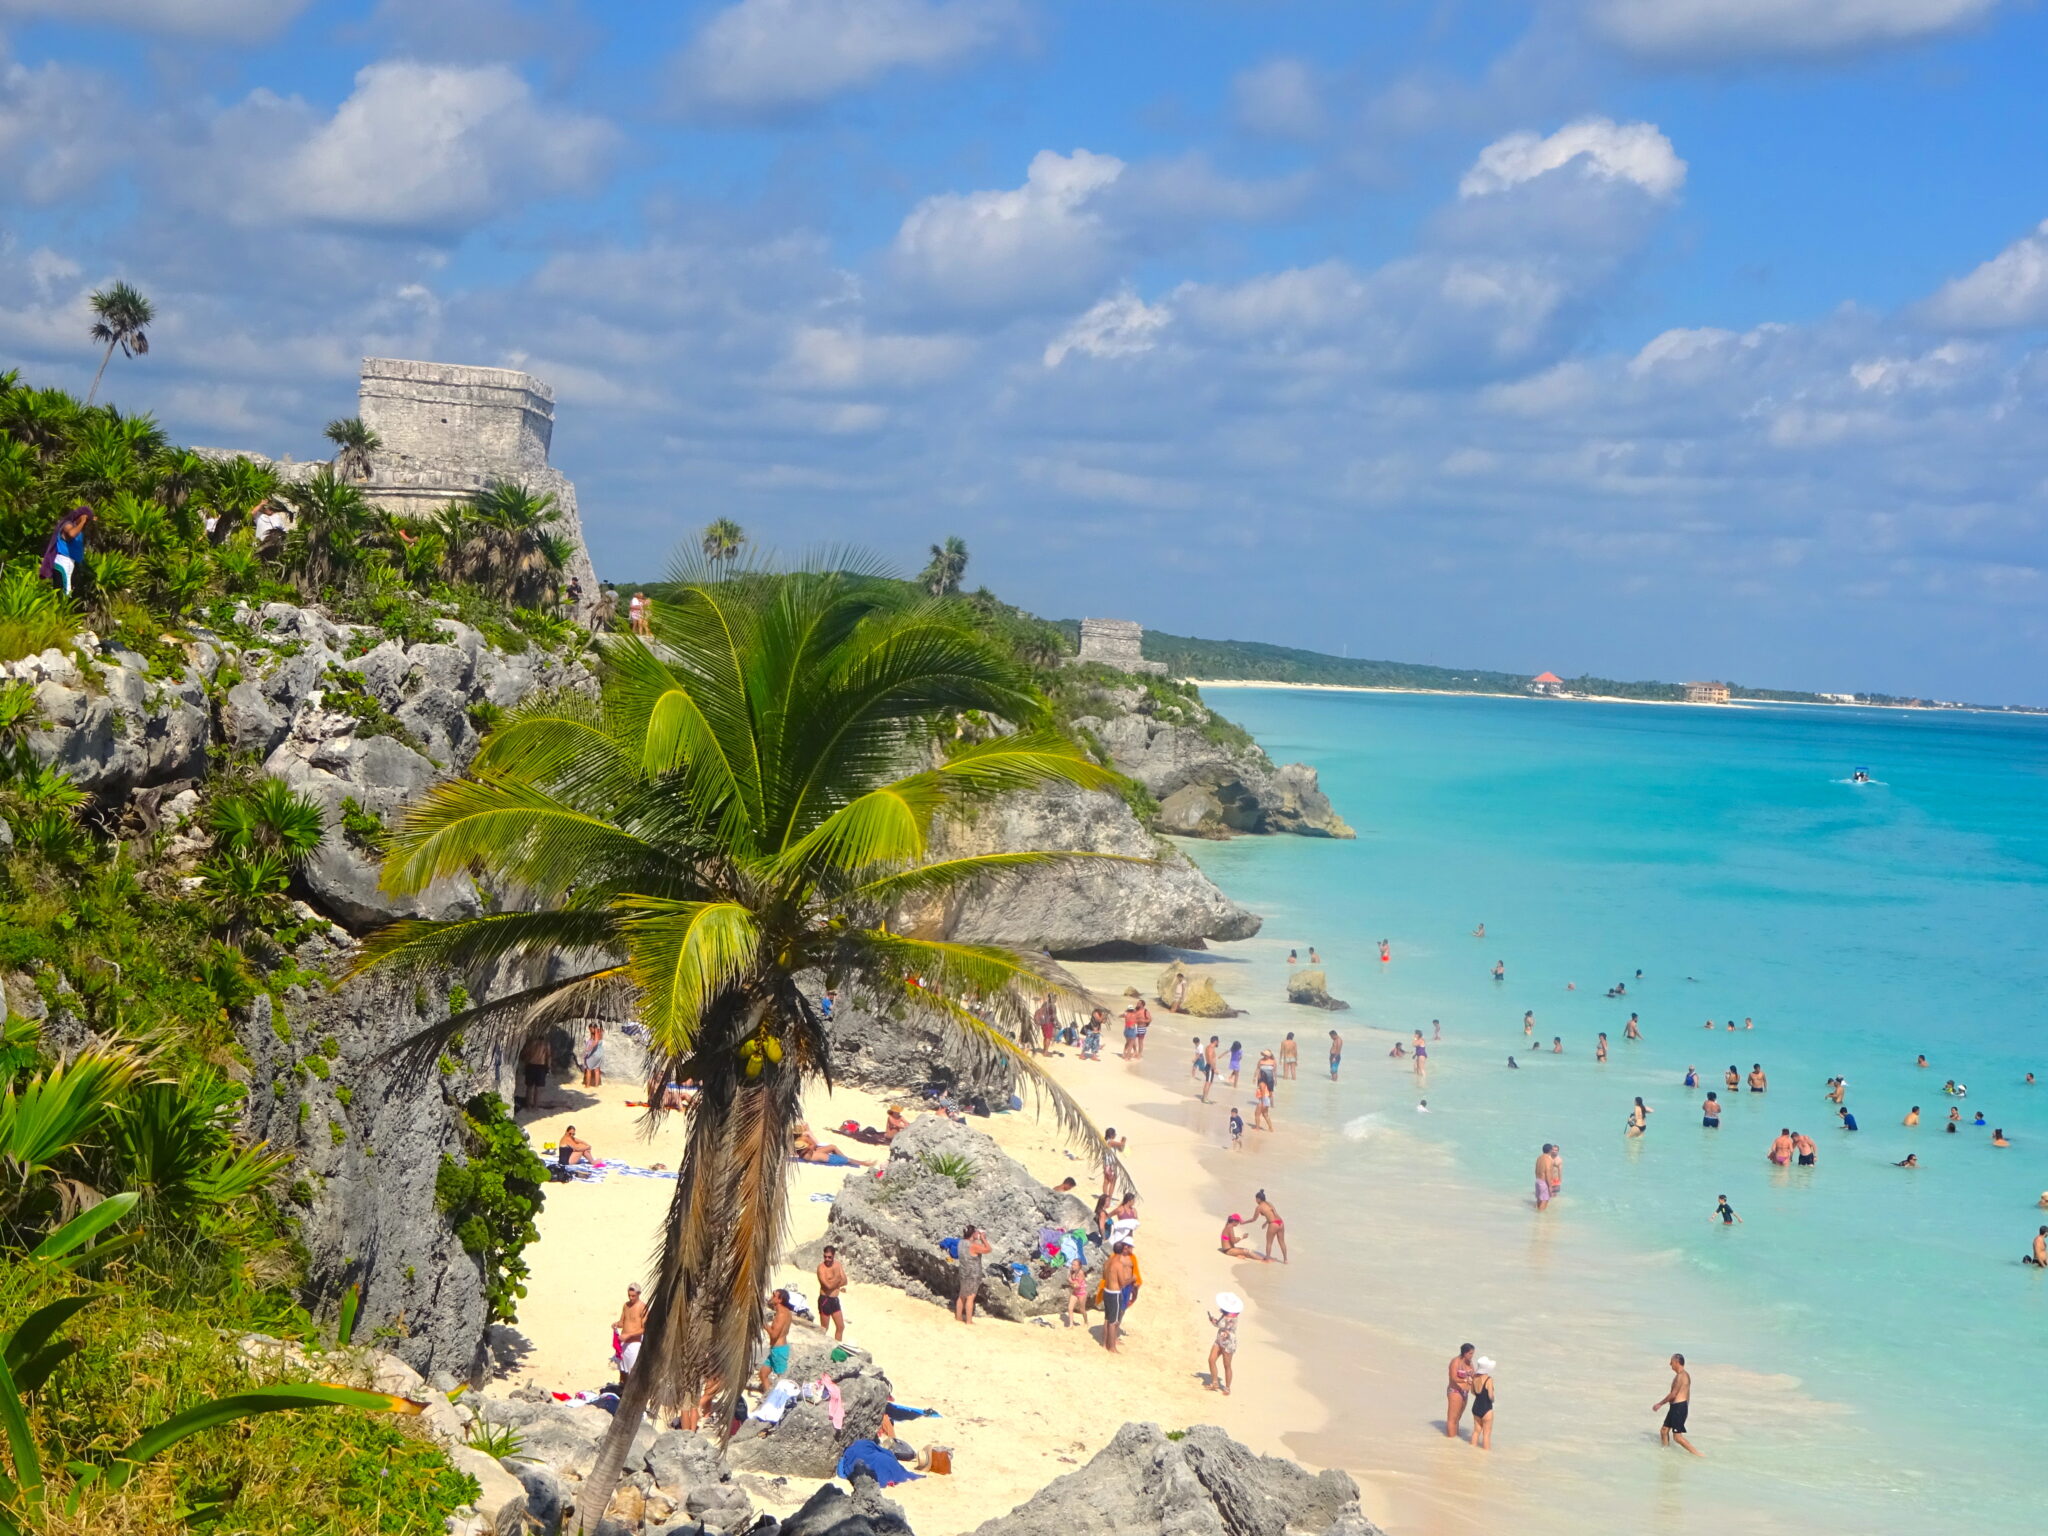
pixel 1867 1349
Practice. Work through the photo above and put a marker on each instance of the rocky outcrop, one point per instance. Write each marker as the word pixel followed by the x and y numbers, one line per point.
pixel 805 1442
pixel 1151 894
pixel 1209 777
pixel 833 1512
pixel 911 1055
pixel 1311 989
pixel 1144 1484
pixel 888 1229
pixel 110 726
pixel 1182 991
pixel 368 1131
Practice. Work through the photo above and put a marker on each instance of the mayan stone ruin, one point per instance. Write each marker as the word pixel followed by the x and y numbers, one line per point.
pixel 1117 643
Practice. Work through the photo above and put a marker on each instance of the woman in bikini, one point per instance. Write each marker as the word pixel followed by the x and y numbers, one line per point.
pixel 1276 1229
pixel 1457 1389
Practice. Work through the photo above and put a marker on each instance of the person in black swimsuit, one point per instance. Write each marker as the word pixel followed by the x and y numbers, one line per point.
pixel 1482 1404
pixel 1677 1404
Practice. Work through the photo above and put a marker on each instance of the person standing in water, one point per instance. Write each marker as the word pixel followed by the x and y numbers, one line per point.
pixel 1336 1053
pixel 1678 1405
pixel 1600 1047
pixel 1639 1117
pixel 1633 1030
pixel 1482 1404
pixel 1290 1056
pixel 1545 1170
pixel 1500 970
pixel 1276 1229
pixel 1710 1112
pixel 1726 1211
pixel 1528 1023
pixel 1457 1388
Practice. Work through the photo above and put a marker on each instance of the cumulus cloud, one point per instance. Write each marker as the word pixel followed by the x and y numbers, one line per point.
pixel 416 148
pixel 58 129
pixel 771 56
pixel 2008 292
pixel 1597 147
pixel 1280 98
pixel 235 20
pixel 1122 325
pixel 1712 32
pixel 1041 242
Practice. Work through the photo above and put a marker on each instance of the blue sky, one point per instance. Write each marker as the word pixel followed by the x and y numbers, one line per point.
pixel 1670 338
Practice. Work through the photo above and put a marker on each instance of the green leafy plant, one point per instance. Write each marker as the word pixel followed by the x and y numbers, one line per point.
pixel 492 1196
pixel 950 1165
pixel 498 1441
pixel 34 614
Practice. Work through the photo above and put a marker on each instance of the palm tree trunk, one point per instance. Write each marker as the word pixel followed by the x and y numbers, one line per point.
pixel 105 358
pixel 594 1494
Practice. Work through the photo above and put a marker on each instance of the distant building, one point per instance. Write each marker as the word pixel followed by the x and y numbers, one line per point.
pixel 1117 643
pixel 1706 693
pixel 1548 684
pixel 1839 698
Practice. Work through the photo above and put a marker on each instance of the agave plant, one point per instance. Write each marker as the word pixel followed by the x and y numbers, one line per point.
pixel 748 801
pixel 34 615
pixel 173 1145
pixel 51 1117
pixel 270 817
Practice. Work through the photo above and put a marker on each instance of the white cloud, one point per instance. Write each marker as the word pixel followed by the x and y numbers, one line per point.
pixel 1597 146
pixel 417 148
pixel 58 129
pixel 778 55
pixel 238 20
pixel 1709 32
pixel 848 357
pixel 1123 325
pixel 1041 242
pixel 1279 98
pixel 2008 292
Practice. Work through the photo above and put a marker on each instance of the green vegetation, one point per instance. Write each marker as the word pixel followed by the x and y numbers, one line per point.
pixel 491 1198
pixel 948 564
pixel 727 818
pixel 721 542
pixel 950 1165
pixel 119 315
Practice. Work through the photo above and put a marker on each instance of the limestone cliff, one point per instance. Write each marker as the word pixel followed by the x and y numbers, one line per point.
pixel 1209 777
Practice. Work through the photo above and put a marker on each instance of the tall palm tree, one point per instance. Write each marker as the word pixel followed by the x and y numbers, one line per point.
pixel 122 313
pixel 749 800
pixel 941 578
pixel 354 443
pixel 721 542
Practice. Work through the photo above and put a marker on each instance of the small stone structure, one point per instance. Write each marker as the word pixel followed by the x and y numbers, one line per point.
pixel 1117 643
pixel 449 430
pixel 1706 693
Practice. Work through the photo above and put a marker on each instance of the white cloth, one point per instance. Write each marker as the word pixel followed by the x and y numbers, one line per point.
pixel 776 1403
pixel 1123 1230
pixel 629 1357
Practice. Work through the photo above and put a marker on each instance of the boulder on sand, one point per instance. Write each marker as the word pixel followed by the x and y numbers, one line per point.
pixel 1143 1484
pixel 1311 989
pixel 1197 995
pixel 805 1442
pixel 888 1229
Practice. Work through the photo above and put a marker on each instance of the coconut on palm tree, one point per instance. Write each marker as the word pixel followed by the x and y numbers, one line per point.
pixel 122 313
pixel 941 578
pixel 721 541
pixel 747 803
pixel 354 443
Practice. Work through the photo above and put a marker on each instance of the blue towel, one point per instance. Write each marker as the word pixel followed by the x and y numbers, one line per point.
pixel 905 1411
pixel 950 1246
pixel 866 1456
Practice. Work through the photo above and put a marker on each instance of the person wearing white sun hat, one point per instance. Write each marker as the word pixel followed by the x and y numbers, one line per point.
pixel 1481 1385
pixel 1223 1352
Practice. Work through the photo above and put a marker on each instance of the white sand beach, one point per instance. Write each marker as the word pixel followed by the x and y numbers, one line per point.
pixel 1021 1403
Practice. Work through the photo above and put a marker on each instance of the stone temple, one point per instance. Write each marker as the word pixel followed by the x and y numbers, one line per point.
pixel 1117 643
pixel 449 431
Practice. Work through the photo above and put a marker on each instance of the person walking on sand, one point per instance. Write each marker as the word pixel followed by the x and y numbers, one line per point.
pixel 1236 1129
pixel 1457 1388
pixel 1236 1060
pixel 1048 1020
pixel 1336 1053
pixel 1209 1067
pixel 831 1284
pixel 1276 1229
pixel 1482 1404
pixel 1290 1054
pixel 1118 1288
pixel 1677 1403
pixel 1223 1353
pixel 1262 1107
pixel 974 1246
pixel 1545 1188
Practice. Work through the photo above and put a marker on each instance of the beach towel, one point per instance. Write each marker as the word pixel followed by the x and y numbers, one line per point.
pixel 905 1411
pixel 776 1403
pixel 835 1403
pixel 866 1456
pixel 950 1246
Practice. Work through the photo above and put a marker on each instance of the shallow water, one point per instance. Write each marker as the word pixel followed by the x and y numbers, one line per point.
pixel 1866 1346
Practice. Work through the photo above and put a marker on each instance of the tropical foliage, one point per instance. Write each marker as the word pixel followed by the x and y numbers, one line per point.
pixel 354 443
pixel 119 314
pixel 948 564
pixel 750 800
pixel 722 541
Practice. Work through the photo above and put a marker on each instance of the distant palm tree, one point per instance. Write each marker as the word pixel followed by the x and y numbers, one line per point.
pixel 123 312
pixel 355 443
pixel 722 541
pixel 949 564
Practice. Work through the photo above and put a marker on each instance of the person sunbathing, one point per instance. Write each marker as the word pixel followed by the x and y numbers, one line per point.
pixel 569 1151
pixel 810 1150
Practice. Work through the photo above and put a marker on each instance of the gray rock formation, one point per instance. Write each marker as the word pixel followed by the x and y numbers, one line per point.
pixel 805 1443
pixel 909 1055
pixel 117 729
pixel 888 1229
pixel 1090 904
pixel 368 1132
pixel 1211 780
pixel 1311 989
pixel 831 1511
pixel 1143 1484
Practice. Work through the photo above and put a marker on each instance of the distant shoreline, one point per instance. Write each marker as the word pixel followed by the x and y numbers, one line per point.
pixel 1592 698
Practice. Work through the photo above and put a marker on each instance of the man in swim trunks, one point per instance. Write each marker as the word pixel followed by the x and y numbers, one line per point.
pixel 1632 1030
pixel 1336 1053
pixel 2039 1257
pixel 1208 1067
pixel 1677 1403
pixel 777 1363
pixel 1543 1173
pixel 1913 1115
pixel 1757 1081
pixel 1119 1279
pixel 1557 1045
pixel 1804 1145
pixel 631 1329
pixel 535 1058
pixel 831 1281
pixel 1710 1112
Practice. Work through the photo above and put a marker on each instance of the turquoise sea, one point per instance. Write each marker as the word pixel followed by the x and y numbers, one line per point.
pixel 1867 1348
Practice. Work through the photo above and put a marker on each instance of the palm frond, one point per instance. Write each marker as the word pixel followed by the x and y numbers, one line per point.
pixel 607 993
pixel 524 834
pixel 683 955
pixel 414 946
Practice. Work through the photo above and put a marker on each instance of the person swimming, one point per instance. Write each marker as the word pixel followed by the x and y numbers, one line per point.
pixel 1692 1078
pixel 1512 1066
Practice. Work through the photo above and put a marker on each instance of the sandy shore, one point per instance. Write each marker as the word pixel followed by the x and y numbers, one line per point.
pixel 1022 1403
pixel 1481 693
